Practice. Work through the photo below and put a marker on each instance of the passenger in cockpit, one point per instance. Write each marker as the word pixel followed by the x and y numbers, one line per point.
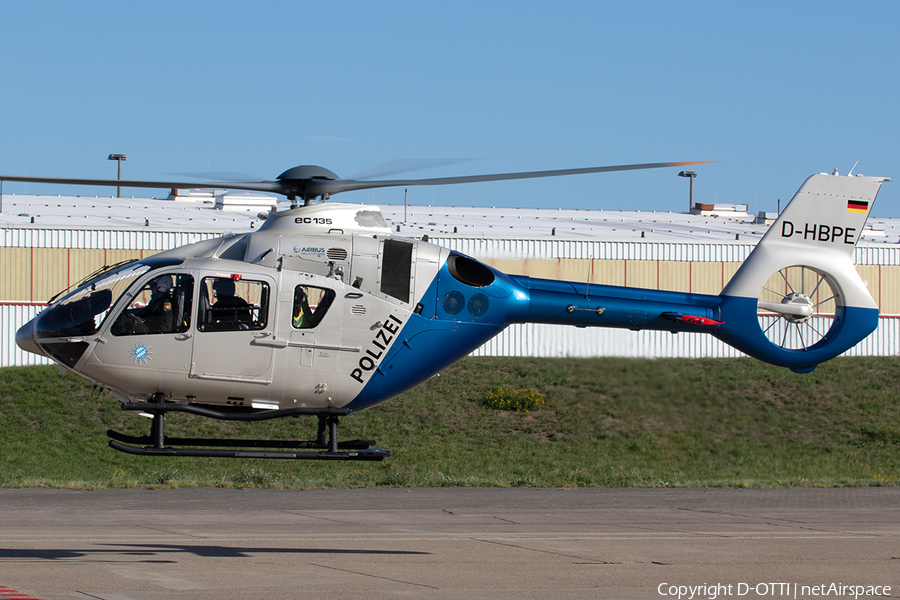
pixel 228 307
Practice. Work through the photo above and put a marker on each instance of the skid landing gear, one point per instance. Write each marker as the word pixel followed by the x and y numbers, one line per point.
pixel 325 447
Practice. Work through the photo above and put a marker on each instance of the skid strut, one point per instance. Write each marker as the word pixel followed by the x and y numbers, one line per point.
pixel 325 447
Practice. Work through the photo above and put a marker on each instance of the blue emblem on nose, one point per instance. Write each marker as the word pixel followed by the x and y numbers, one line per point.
pixel 141 353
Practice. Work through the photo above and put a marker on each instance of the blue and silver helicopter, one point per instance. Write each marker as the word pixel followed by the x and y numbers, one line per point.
pixel 323 311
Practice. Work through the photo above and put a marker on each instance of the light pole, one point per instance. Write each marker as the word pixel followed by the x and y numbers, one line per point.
pixel 690 174
pixel 119 158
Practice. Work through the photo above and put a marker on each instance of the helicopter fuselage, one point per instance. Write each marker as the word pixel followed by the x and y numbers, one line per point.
pixel 324 308
pixel 322 311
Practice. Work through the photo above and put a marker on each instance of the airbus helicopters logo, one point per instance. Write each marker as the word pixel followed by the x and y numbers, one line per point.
pixel 381 342
pixel 309 251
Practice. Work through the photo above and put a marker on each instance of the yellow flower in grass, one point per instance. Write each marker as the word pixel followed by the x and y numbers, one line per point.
pixel 502 398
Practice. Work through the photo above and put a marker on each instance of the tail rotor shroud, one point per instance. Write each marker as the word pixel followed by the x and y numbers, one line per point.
pixel 797 308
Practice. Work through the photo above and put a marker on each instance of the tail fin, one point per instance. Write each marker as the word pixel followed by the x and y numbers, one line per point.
pixel 800 284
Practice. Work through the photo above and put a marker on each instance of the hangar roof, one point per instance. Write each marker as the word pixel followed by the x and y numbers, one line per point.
pixel 217 212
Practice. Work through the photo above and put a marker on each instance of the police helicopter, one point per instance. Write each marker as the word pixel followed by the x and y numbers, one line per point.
pixel 323 312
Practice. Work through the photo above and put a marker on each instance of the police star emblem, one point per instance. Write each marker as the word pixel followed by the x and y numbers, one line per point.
pixel 141 353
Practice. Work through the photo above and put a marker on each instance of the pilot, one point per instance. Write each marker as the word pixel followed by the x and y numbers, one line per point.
pixel 159 315
pixel 302 312
pixel 229 308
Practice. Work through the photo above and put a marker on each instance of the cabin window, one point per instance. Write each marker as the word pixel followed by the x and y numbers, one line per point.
pixel 233 304
pixel 163 305
pixel 310 305
pixel 396 268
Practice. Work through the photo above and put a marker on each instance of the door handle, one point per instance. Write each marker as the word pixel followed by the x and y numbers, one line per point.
pixel 183 336
pixel 263 338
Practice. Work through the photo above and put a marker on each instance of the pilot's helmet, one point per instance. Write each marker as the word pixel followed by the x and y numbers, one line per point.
pixel 163 284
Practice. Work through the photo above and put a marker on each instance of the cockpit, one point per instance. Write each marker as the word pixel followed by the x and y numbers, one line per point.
pixel 60 328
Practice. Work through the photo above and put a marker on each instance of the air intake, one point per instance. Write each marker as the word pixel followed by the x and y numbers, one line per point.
pixel 336 254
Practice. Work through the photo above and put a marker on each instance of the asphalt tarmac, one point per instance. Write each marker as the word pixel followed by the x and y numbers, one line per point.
pixel 450 543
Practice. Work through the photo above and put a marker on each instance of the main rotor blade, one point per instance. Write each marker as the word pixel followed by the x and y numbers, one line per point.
pixel 405 165
pixel 275 187
pixel 347 185
pixel 309 188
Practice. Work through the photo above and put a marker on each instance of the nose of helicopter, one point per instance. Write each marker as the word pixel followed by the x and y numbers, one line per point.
pixel 25 339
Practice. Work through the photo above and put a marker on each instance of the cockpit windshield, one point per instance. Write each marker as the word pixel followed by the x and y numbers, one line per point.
pixel 82 311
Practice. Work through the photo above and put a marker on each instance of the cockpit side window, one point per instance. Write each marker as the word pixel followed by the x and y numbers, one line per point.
pixel 163 305
pixel 310 305
pixel 83 311
pixel 228 304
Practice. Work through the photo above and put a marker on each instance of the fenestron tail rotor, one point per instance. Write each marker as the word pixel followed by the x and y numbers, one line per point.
pixel 797 307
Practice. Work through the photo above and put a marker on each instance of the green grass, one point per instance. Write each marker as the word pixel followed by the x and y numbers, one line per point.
pixel 605 422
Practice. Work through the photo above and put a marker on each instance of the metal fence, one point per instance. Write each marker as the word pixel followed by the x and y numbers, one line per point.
pixel 517 340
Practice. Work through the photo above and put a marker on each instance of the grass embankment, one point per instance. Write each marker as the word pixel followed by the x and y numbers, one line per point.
pixel 606 422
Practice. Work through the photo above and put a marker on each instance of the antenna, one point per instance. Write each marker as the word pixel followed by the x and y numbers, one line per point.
pixel 851 170
pixel 587 287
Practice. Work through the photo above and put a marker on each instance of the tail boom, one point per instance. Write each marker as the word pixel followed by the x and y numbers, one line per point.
pixel 583 305
pixel 795 302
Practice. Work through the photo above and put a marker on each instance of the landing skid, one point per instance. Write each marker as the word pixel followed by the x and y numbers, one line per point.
pixel 325 447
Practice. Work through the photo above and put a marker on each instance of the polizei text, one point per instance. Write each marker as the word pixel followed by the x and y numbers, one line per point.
pixel 381 342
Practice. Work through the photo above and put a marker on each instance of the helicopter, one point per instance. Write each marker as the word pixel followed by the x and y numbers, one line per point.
pixel 322 311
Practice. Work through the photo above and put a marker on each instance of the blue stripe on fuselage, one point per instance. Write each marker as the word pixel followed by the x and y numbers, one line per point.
pixel 423 347
pixel 434 339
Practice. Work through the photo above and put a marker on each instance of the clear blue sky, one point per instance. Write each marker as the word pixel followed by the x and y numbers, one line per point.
pixel 776 91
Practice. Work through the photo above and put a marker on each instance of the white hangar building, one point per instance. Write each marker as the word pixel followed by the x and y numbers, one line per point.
pixel 48 243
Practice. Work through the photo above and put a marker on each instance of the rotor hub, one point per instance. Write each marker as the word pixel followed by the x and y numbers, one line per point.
pixel 304 181
pixel 796 298
pixel 304 172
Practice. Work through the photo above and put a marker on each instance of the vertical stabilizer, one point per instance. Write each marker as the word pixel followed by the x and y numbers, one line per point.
pixel 800 283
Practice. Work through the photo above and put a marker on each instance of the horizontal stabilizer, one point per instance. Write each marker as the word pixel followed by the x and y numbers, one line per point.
pixel 693 319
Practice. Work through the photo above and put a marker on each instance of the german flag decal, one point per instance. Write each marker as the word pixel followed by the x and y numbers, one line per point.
pixel 857 206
